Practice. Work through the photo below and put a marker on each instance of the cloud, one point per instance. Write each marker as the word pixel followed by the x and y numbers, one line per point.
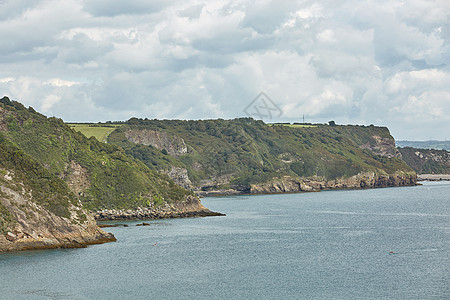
pixel 57 82
pixel 382 62
pixel 49 102
pixel 6 79
pixel 106 8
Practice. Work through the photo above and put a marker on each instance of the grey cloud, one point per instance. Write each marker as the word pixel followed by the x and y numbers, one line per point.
pixel 107 8
pixel 81 49
pixel 10 9
pixel 355 62
pixel 266 17
pixel 192 12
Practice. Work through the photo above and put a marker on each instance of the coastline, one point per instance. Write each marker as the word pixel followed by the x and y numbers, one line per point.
pixel 289 184
pixel 68 238
pixel 191 207
pixel 151 214
pixel 33 227
pixel 433 177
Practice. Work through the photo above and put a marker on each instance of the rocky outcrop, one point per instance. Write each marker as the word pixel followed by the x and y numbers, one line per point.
pixel 180 177
pixel 174 145
pixel 289 184
pixel 191 207
pixel 384 147
pixel 77 178
pixel 27 225
pixel 433 177
pixel 362 180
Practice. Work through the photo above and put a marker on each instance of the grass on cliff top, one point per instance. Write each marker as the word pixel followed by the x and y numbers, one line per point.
pixel 100 132
pixel 294 125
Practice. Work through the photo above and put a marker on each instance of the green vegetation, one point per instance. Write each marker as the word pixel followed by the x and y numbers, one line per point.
pixel 54 161
pixel 6 219
pixel 100 132
pixel 251 151
pixel 47 189
pixel 114 179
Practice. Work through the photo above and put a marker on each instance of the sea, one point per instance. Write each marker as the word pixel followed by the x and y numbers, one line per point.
pixel 389 243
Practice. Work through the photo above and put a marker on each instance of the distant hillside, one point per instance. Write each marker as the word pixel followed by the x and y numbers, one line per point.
pixel 246 155
pixel 426 161
pixel 438 145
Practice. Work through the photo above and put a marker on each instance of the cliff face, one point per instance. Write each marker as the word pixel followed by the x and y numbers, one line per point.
pixel 362 180
pixel 27 225
pixel 427 161
pixel 382 146
pixel 180 177
pixel 175 146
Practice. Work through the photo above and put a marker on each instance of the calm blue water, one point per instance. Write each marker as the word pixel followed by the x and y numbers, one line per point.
pixel 328 245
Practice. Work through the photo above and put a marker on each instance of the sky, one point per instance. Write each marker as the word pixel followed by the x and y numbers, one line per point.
pixel 352 61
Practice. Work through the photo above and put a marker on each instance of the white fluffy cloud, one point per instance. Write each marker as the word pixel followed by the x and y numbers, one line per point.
pixel 382 62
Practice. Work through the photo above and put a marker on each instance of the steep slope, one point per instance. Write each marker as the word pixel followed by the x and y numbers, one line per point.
pixel 427 161
pixel 244 155
pixel 101 175
pixel 37 209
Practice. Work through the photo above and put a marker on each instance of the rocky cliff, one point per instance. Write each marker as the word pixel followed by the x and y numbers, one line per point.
pixel 25 224
pixel 427 161
pixel 180 177
pixel 382 146
pixel 174 145
pixel 362 180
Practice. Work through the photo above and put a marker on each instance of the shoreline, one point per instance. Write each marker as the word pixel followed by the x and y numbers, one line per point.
pixel 433 177
pixel 46 243
pixel 152 214
pixel 219 193
pixel 170 212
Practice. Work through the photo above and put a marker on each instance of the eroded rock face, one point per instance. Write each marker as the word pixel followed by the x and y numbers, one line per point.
pixel 363 180
pixel 174 145
pixel 180 177
pixel 382 146
pixel 77 178
pixel 34 227
pixel 425 161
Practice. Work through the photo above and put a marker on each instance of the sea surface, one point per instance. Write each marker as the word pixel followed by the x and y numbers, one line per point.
pixel 391 243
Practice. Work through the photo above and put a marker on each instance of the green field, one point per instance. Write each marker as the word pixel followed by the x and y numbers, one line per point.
pixel 100 132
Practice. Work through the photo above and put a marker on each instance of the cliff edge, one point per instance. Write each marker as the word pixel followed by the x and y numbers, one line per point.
pixel 27 225
pixel 37 209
